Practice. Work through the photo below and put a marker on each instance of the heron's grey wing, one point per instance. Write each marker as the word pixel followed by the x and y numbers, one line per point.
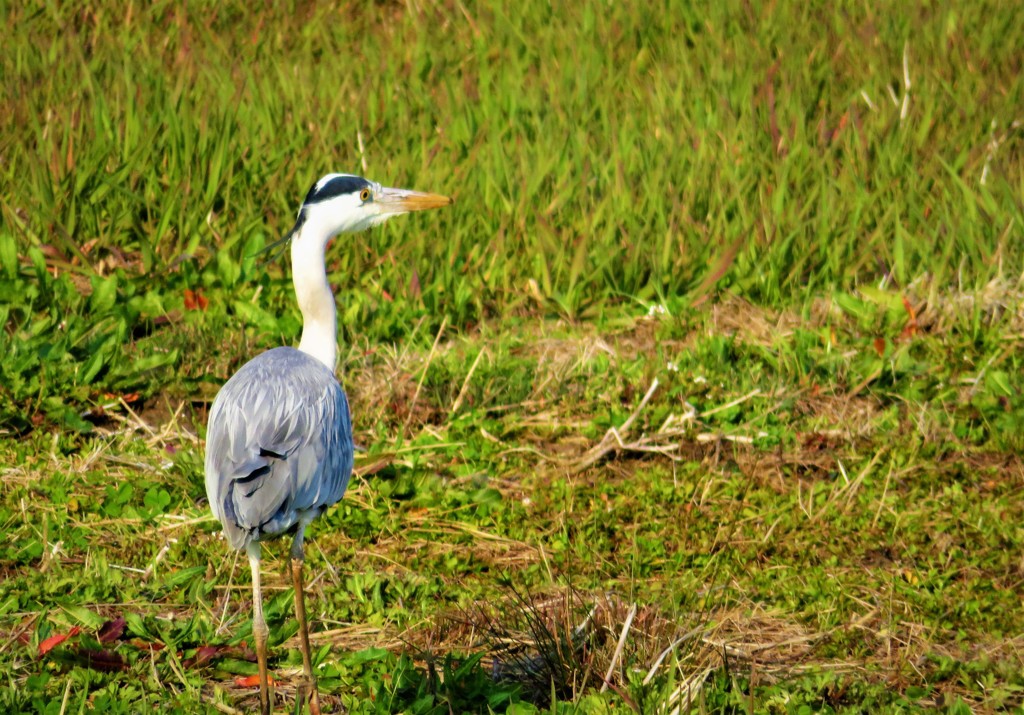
pixel 279 445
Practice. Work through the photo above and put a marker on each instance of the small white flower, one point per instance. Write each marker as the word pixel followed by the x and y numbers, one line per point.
pixel 672 367
pixel 700 379
pixel 656 309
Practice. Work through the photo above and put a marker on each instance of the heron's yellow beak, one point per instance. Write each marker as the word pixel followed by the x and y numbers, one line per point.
pixel 400 201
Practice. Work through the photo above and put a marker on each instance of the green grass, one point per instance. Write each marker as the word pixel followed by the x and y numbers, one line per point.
pixel 818 507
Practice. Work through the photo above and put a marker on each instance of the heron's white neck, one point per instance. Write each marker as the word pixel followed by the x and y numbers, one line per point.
pixel 319 317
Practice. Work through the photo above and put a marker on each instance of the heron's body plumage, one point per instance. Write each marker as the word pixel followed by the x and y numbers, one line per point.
pixel 279 447
pixel 279 439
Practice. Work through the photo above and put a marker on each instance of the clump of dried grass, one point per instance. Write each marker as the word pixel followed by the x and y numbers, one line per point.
pixel 566 642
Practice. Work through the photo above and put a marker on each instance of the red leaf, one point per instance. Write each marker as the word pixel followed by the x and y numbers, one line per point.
pixel 111 630
pixel 195 300
pixel 53 641
pixel 207 653
pixel 911 328
pixel 880 346
pixel 251 681
pixel 103 660
pixel 414 284
pixel 128 397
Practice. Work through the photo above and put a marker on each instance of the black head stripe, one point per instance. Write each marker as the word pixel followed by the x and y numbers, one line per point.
pixel 336 187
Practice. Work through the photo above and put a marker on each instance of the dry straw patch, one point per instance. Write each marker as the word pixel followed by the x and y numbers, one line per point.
pixel 596 640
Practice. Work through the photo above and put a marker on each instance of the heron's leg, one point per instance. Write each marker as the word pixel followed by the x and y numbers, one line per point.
pixel 298 558
pixel 259 626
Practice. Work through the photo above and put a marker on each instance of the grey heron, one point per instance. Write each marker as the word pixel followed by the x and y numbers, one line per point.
pixel 279 441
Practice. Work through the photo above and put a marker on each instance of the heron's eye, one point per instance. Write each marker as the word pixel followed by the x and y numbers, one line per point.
pixel 364 195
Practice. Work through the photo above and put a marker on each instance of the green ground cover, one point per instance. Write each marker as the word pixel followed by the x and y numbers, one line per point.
pixel 703 397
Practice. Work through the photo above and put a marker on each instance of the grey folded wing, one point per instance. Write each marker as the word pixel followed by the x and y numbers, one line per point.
pixel 278 447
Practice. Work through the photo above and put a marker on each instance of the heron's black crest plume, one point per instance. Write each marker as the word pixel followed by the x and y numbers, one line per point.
pixel 335 186
pixel 282 242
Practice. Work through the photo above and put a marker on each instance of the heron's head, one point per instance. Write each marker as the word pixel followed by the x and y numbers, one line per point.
pixel 343 203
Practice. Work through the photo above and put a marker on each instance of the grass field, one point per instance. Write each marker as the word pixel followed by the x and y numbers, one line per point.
pixel 704 397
